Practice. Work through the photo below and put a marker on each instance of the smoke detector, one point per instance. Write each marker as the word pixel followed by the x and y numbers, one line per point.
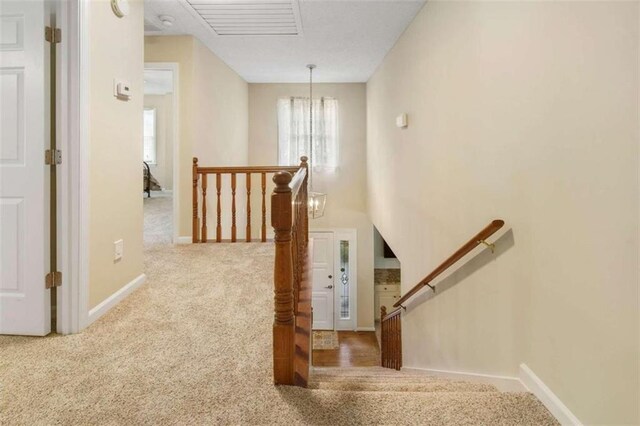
pixel 166 20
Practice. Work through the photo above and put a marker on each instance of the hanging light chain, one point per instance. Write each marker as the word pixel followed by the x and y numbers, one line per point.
pixel 311 67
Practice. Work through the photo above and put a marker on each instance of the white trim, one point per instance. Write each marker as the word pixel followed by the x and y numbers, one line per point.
pixel 184 240
pixel 174 67
pixel 503 383
pixel 83 151
pixel 365 329
pixel 73 185
pixel 537 387
pixel 115 298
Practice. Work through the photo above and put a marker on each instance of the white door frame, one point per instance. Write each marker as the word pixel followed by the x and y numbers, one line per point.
pixel 73 173
pixel 175 116
pixel 350 234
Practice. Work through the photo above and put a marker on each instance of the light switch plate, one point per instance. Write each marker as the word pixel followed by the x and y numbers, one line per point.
pixel 118 250
pixel 402 121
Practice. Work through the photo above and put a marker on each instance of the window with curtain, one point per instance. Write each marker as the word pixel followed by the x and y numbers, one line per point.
pixel 149 132
pixel 293 132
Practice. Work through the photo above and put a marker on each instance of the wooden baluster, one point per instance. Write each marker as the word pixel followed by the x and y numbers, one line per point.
pixel 204 208
pixel 233 207
pixel 264 208
pixel 389 343
pixel 283 325
pixel 195 226
pixel 248 207
pixel 383 336
pixel 395 346
pixel 218 208
pixel 395 342
pixel 399 342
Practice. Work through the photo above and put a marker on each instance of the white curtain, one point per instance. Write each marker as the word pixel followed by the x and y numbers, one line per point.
pixel 293 132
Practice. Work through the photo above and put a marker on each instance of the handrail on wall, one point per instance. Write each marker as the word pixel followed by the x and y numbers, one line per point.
pixel 479 238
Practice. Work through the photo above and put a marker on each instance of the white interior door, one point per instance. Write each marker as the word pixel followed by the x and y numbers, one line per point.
pixel 323 281
pixel 24 207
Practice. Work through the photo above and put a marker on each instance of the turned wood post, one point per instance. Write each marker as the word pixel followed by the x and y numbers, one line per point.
pixel 248 231
pixel 283 325
pixel 383 336
pixel 263 182
pixel 195 225
pixel 203 234
pixel 233 207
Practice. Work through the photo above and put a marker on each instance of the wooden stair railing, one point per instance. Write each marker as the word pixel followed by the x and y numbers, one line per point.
pixel 200 231
pixel 391 339
pixel 292 278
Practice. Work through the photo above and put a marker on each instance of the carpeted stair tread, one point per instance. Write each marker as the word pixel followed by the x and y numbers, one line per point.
pixel 381 386
pixel 390 379
pixel 422 408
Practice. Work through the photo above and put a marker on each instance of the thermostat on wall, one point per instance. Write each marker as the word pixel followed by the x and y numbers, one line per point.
pixel 121 90
pixel 401 121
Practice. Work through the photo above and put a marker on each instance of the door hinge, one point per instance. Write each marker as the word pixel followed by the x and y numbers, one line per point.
pixel 53 279
pixel 52 157
pixel 52 35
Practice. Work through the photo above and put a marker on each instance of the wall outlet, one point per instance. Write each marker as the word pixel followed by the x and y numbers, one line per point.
pixel 118 250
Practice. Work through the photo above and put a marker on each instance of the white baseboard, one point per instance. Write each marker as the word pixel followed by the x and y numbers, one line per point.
pixel 114 299
pixel 183 240
pixel 503 383
pixel 547 397
pixel 365 329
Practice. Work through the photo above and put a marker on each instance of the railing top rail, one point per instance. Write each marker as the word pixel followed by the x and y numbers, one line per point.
pixel 249 169
pixel 391 314
pixel 477 239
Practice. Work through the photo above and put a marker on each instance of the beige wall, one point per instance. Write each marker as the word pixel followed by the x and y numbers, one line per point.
pixel 163 169
pixel 346 188
pixel 115 134
pixel 526 112
pixel 213 108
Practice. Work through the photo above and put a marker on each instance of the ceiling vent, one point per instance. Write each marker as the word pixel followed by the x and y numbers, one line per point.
pixel 250 17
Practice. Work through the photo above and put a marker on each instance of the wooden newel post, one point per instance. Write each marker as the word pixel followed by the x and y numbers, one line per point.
pixel 283 324
pixel 195 226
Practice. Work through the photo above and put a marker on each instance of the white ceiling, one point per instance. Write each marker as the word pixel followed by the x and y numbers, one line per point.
pixel 346 39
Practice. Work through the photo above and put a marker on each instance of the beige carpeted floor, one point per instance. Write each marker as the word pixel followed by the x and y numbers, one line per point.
pixel 158 215
pixel 193 346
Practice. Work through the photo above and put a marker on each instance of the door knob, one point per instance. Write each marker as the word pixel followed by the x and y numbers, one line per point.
pixel 330 276
pixel 329 287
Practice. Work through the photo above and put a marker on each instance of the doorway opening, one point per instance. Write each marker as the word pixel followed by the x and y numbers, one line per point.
pixel 386 278
pixel 335 300
pixel 159 168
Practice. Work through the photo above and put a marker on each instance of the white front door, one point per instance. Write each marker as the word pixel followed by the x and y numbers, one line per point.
pixel 24 207
pixel 323 282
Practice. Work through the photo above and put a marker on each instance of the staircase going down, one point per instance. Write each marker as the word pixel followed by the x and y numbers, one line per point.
pixel 420 398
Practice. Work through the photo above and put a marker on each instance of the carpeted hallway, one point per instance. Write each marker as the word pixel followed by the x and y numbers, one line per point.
pixel 193 346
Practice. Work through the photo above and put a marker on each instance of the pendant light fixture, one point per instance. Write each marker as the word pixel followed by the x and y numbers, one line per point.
pixel 317 200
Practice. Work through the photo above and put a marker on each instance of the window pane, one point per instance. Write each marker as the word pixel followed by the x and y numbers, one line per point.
pixel 294 132
pixel 345 305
